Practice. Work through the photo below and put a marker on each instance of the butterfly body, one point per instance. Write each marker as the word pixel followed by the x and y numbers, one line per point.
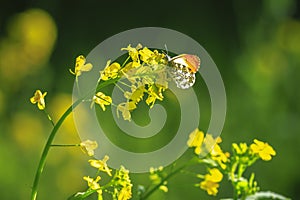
pixel 183 69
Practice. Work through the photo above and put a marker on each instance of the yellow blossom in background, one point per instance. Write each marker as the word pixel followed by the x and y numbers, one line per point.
pixel 102 100
pixel 88 147
pixel 81 66
pixel 195 140
pixel 264 150
pixel 39 98
pixel 211 181
pixel 93 184
pixel 110 71
pixel 101 165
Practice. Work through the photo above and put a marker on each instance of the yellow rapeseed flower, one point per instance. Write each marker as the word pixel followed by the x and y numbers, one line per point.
pixel 101 99
pixel 88 147
pixel 134 54
pixel 39 98
pixel 196 140
pixel 240 148
pixel 146 54
pixel 125 109
pixel 125 193
pixel 101 165
pixel 110 71
pixel 264 150
pixel 93 184
pixel 211 181
pixel 81 66
pixel 154 93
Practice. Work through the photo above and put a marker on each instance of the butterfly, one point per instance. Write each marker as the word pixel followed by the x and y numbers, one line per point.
pixel 183 69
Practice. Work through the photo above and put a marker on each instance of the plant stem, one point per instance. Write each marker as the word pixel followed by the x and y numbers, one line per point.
pixel 190 162
pixel 47 147
pixel 65 145
pixel 53 133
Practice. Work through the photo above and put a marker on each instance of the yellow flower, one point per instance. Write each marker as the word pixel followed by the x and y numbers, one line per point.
pixel 81 66
pixel 264 150
pixel 110 71
pixel 101 99
pixel 134 54
pixel 214 175
pixel 125 109
pixel 88 146
pixel 146 54
pixel 240 148
pixel 195 140
pixel 122 184
pixel 101 165
pixel 211 181
pixel 154 92
pixel 136 95
pixel 125 193
pixel 152 57
pixel 93 184
pixel 210 187
pixel 164 187
pixel 39 98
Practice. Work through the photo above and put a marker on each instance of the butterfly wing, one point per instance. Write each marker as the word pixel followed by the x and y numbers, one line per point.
pixel 183 69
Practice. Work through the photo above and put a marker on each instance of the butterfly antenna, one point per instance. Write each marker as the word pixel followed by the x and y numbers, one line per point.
pixel 167 52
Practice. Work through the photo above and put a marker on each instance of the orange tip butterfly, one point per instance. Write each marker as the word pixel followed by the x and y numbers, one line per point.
pixel 183 69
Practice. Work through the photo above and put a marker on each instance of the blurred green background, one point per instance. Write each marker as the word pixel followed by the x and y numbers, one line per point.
pixel 255 44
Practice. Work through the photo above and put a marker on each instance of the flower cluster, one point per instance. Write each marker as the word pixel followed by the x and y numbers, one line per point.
pixel 234 165
pixel 119 187
pixel 145 75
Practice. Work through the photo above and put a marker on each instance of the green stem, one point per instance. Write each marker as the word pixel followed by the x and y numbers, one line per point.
pixel 191 162
pixel 49 117
pixel 53 133
pixel 46 149
pixel 65 145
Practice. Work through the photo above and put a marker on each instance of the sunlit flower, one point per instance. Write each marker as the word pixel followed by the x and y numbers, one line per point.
pixel 93 184
pixel 210 187
pixel 240 148
pixel 122 184
pixel 264 150
pixel 218 155
pixel 154 93
pixel 81 66
pixel 102 100
pixel 136 95
pixel 134 54
pixel 101 165
pixel 146 54
pixel 211 181
pixel 89 146
pixel 110 71
pixel 125 109
pixel 196 140
pixel 125 193
pixel 39 98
